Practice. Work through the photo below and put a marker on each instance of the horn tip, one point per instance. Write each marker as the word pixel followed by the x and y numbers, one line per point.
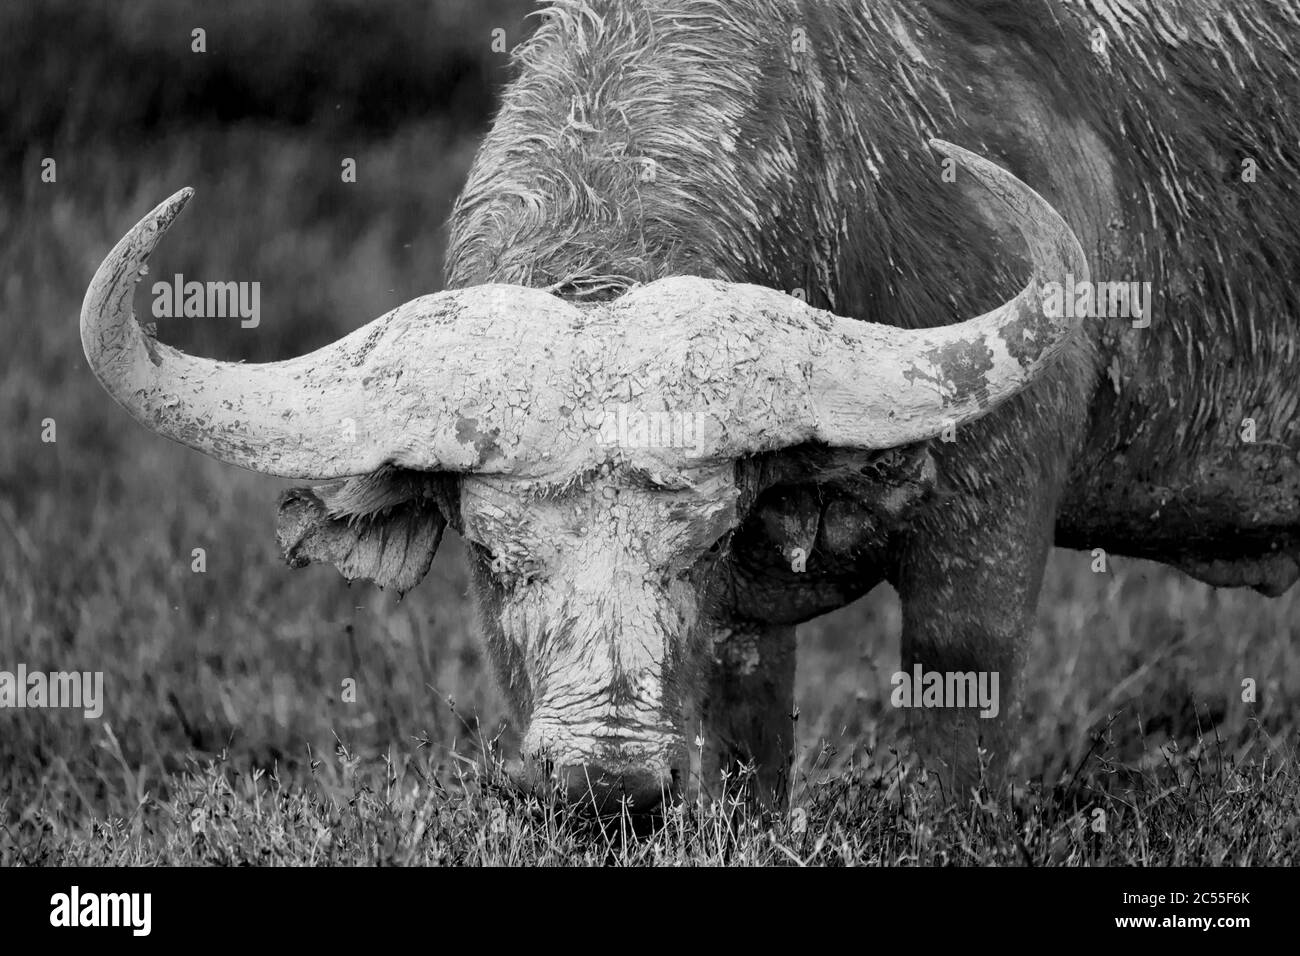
pixel 171 207
pixel 952 150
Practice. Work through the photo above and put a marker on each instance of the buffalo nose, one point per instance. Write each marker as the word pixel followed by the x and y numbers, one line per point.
pixel 605 789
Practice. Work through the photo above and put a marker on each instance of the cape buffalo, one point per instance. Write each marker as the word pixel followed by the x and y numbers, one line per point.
pixel 707 367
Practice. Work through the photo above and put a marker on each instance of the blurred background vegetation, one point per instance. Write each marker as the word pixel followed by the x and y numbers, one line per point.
pixel 97 528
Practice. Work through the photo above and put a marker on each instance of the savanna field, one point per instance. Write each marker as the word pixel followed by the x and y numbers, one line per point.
pixel 225 738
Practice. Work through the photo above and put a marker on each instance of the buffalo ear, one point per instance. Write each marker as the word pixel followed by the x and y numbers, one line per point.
pixel 392 545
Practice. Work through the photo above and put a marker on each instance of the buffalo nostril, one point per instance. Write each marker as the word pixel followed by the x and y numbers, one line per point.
pixel 607 789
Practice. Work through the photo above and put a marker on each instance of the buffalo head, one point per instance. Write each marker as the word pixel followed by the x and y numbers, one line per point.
pixel 598 457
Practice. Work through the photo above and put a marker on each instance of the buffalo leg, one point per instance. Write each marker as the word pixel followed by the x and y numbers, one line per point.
pixel 969 587
pixel 748 715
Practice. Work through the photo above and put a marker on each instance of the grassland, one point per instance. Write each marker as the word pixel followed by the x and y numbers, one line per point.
pixel 225 738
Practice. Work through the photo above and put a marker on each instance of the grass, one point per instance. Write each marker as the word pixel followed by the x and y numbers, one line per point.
pixel 225 738
pixel 402 809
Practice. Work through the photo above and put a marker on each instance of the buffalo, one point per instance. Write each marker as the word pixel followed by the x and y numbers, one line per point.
pixel 733 333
